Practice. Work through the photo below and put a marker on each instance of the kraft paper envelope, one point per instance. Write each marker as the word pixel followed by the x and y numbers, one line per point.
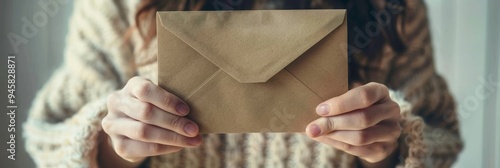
pixel 253 71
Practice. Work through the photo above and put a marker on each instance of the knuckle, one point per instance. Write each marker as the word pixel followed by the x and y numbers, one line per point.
pixel 135 79
pixel 382 150
pixel 397 133
pixel 146 111
pixel 330 124
pixel 132 159
pixel 394 138
pixel 175 138
pixel 365 153
pixel 377 85
pixel 399 129
pixel 176 149
pixel 345 146
pixel 132 81
pixel 154 148
pixel 372 160
pixel 142 89
pixel 120 148
pixel 111 98
pixel 142 132
pixel 384 89
pixel 365 97
pixel 341 145
pixel 176 122
pixel 360 138
pixel 363 119
pixel 377 148
pixel 395 108
pixel 380 86
pixel 106 124
pixel 168 100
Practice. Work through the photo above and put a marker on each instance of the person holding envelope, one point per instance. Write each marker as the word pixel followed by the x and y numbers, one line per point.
pixel 104 107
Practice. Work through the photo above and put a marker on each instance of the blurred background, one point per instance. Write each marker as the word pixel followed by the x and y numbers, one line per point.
pixel 466 40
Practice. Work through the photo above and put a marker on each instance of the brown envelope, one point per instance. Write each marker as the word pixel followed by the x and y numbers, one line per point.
pixel 253 71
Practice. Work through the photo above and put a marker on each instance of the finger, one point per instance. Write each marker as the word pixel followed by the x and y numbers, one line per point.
pixel 149 133
pixel 150 114
pixel 146 91
pixel 377 133
pixel 357 98
pixel 132 149
pixel 113 102
pixel 355 120
pixel 356 84
pixel 372 153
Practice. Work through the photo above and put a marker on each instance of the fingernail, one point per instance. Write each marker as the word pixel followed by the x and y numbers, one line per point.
pixel 191 129
pixel 314 130
pixel 195 140
pixel 323 109
pixel 182 108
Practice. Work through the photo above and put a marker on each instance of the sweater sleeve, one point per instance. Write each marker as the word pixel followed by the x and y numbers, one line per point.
pixel 430 136
pixel 63 124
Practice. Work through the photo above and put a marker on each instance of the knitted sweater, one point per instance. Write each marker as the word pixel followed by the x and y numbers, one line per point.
pixel 63 127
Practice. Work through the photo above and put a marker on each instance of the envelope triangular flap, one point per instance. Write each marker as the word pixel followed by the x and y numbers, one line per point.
pixel 252 46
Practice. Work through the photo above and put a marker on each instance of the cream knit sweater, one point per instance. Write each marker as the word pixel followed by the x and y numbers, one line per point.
pixel 63 127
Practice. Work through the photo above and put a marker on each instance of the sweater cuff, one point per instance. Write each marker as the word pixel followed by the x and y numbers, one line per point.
pixel 71 143
pixel 412 149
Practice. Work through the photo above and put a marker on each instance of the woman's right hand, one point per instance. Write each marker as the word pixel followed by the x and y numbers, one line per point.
pixel 145 120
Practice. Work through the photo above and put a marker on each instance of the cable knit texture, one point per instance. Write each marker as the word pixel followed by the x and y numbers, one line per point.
pixel 63 126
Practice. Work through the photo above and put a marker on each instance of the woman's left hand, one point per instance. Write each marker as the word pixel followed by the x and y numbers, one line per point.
pixel 363 122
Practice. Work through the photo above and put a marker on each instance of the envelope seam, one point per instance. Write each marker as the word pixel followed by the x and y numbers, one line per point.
pixel 203 84
pixel 304 84
pixel 249 75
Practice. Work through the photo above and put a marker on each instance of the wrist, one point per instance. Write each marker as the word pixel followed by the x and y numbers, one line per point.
pixel 107 157
pixel 390 161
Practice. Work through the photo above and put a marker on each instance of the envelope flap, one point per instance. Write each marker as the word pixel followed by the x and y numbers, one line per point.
pixel 251 46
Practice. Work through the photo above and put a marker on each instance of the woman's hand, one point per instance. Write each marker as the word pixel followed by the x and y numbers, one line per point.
pixel 363 122
pixel 145 120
